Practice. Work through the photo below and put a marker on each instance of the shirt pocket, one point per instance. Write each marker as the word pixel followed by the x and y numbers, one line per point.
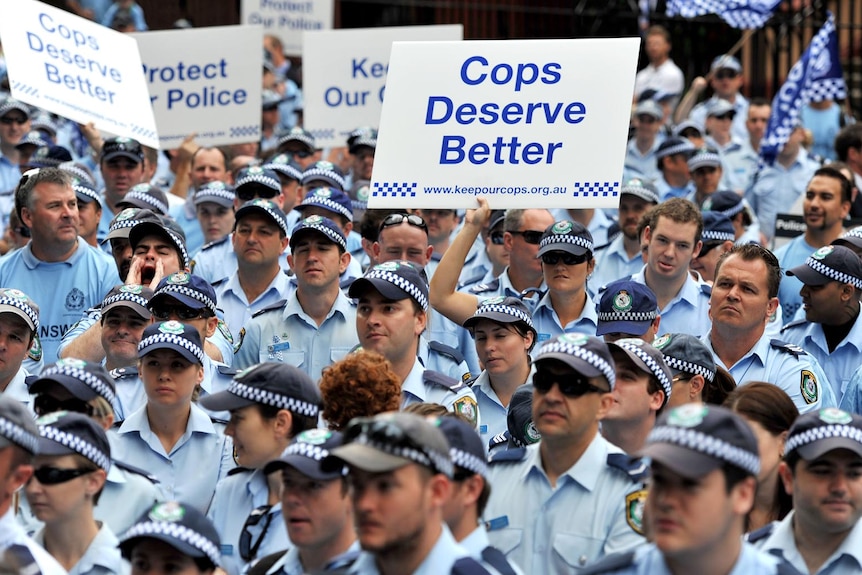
pixel 294 357
pixel 572 552
pixel 338 353
pixel 507 539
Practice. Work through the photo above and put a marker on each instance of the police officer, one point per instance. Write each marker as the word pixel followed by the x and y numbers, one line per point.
pixel 572 472
pixel 19 324
pixel 336 205
pixel 121 161
pixel 743 298
pixel 392 313
pixel 821 469
pixel 400 471
pixel 704 466
pixel 627 309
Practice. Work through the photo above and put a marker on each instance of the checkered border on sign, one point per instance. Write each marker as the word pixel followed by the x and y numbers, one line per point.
pixel 596 189
pixel 581 353
pixel 428 458
pixel 18 435
pixel 84 377
pixel 468 461
pixel 278 400
pixel 689 367
pixel 566 239
pixel 654 367
pixel 832 273
pixel 506 309
pixel 175 531
pixel 189 292
pixel 394 189
pixel 20 304
pixel 832 431
pixel 174 340
pixel 77 445
pixel 402 283
pixel 707 445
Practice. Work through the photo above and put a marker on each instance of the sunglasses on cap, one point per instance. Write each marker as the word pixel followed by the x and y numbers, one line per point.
pixel 399 218
pixel 56 475
pixel 45 404
pixel 571 385
pixel 181 313
pixel 249 193
pixel 248 545
pixel 9 120
pixel 532 237
pixel 725 75
pixel 552 258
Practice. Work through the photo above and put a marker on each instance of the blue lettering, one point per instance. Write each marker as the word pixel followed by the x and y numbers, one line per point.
pixel 458 149
pixel 465 78
pixel 575 112
pixel 552 73
pixel 429 115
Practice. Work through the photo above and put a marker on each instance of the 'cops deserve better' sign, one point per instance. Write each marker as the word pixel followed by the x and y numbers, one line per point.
pixel 77 69
pixel 204 80
pixel 532 123
pixel 344 75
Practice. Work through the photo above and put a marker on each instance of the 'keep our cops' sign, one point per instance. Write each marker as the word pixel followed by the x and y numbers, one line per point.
pixel 532 123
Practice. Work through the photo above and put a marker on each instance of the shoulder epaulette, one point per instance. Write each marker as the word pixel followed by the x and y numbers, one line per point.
pixel 265 564
pixel 136 470
pixel 470 380
pixel 446 350
pixel 227 370
pixel 706 289
pixel 790 348
pixel 219 282
pixel 470 281
pixel 468 566
pixel 499 439
pixel 492 285
pixel 238 470
pixel 786 568
pixel 123 372
pixel 760 534
pixel 215 243
pixel 634 467
pixel 277 305
pixel 28 380
pixel 530 292
pixel 610 563
pixel 793 324
pixel 509 456
pixel 345 283
pixel 431 377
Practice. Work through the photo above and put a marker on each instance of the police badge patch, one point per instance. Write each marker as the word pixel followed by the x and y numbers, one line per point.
pixel 809 387
pixel 635 503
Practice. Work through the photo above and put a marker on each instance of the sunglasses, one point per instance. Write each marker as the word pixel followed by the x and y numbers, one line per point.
pixel 8 120
pixel 45 404
pixel 552 258
pixel 248 545
pixel 644 119
pixel 571 386
pixel 301 154
pixel 181 313
pixel 705 170
pixel 497 238
pixel 532 237
pixel 724 117
pixel 55 475
pixel 249 193
pixel 399 218
pixel 725 75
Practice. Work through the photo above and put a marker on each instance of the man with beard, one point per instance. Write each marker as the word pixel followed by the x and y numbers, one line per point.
pixel 622 257
pixel 826 204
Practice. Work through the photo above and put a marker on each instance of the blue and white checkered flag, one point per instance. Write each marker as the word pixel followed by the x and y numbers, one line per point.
pixel 737 13
pixel 817 76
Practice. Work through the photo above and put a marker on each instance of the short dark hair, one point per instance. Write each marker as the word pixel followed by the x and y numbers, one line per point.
pixel 849 137
pixel 369 227
pixel 680 211
pixel 657 30
pixel 759 101
pixel 835 174
pixel 750 253
pixel 299 423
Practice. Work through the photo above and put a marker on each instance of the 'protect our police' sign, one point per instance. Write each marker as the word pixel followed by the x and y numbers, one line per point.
pixel 344 75
pixel 204 80
pixel 532 123
pixel 77 69
pixel 288 19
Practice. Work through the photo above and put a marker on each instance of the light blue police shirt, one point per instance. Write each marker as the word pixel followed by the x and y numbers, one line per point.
pixel 840 364
pixel 792 254
pixel 195 464
pixel 442 329
pixel 791 369
pixel 62 290
pixel 666 191
pixel 740 106
pixel 185 214
pixel 493 411
pixel 645 164
pixel 688 312
pixel 444 362
pixel 539 526
pixel 102 556
pixel 17 390
pixel 846 560
pixel 235 305
pixel 776 188
pixel 415 389
pixel 439 560
pixel 289 335
pixel 11 533
pixel 236 496
pixel 852 399
pixel 476 542
pixel 125 497
pixel 547 322
pixel 613 263
pixel 738 167
pixel 291 564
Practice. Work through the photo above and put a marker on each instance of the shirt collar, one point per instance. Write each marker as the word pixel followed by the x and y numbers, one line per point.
pixel 32 262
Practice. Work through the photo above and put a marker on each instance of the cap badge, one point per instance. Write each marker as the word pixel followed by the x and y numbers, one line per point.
pixel 662 342
pixel 573 338
pixel 314 436
pixel 362 193
pixel 688 415
pixel 254 170
pixel 822 252
pixel 170 511
pixel 72 362
pixel 322 193
pixel 707 205
pixel 15 293
pixel 563 227
pixel 131 288
pixel 127 214
pixel 834 415
pixel 172 327
pixel 123 140
pixel 622 301
pixel 179 278
pixel 387 266
pixel 50 418
pixel 324 165
pixel 531 433
pixel 493 300
pixel 313 219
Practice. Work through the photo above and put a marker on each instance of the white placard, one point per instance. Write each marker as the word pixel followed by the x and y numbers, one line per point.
pixel 524 123
pixel 77 69
pixel 204 80
pixel 344 75
pixel 288 19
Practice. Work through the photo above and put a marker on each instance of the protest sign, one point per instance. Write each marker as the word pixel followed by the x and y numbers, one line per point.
pixel 344 75
pixel 524 123
pixel 287 19
pixel 206 81
pixel 78 69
